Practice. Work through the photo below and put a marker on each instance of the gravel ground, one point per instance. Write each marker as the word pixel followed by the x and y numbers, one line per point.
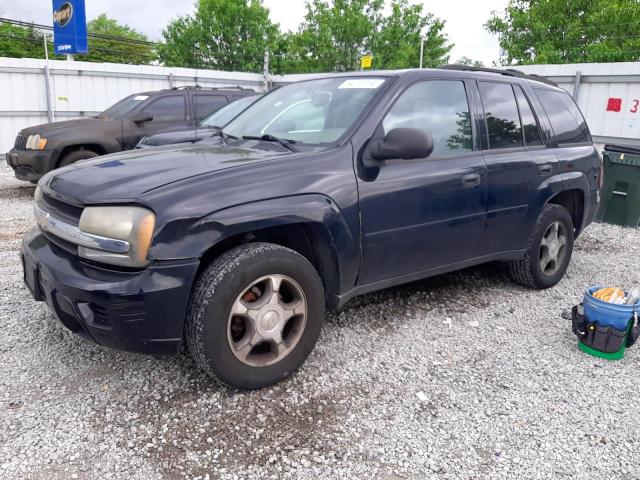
pixel 461 376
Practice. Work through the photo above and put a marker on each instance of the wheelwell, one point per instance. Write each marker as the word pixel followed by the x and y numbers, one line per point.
pixel 94 147
pixel 573 201
pixel 310 240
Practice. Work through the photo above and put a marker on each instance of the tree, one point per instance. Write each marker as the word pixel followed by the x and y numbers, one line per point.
pixel 334 35
pixel 471 63
pixel 20 41
pixel 222 34
pixel 130 46
pixel 568 31
pixel 397 43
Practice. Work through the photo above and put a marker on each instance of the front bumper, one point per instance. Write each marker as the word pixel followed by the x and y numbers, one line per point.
pixel 142 311
pixel 30 165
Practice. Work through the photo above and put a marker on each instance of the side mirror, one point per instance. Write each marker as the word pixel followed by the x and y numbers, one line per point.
pixel 141 117
pixel 403 143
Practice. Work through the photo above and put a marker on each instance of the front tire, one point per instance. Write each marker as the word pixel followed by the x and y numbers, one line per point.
pixel 548 251
pixel 73 157
pixel 255 315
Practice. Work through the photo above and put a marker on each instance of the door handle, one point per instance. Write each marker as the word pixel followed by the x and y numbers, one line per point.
pixel 471 180
pixel 545 169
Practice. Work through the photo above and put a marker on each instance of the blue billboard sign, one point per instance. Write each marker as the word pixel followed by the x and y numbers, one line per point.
pixel 69 27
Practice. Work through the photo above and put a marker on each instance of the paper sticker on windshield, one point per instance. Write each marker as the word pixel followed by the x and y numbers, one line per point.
pixel 362 83
pixel 139 98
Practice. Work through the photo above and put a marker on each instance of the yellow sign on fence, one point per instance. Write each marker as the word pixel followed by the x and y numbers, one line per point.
pixel 365 61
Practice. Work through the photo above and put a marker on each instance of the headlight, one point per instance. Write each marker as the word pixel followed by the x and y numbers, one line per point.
pixel 35 142
pixel 132 224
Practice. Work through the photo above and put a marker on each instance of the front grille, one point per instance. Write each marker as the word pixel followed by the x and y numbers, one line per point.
pixel 62 210
pixel 21 142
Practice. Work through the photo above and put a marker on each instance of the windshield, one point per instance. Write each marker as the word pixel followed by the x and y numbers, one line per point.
pixel 223 116
pixel 315 111
pixel 124 106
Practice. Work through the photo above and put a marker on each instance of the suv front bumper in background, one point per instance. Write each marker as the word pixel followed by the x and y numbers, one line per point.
pixel 30 165
pixel 140 311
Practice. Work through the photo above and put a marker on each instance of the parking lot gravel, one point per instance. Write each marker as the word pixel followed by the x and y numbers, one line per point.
pixel 460 376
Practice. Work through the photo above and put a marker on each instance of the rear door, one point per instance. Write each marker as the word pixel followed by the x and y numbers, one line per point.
pixel 425 213
pixel 205 103
pixel 518 160
pixel 168 112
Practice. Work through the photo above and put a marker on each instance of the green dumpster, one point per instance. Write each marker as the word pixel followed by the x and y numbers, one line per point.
pixel 621 192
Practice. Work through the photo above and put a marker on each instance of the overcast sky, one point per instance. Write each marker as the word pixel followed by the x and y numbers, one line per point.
pixel 464 18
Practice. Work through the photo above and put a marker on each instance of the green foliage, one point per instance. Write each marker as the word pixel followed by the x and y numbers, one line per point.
pixel 568 31
pixel 397 43
pixel 19 42
pixel 222 34
pixel 26 42
pixel 471 63
pixel 334 35
pixel 136 51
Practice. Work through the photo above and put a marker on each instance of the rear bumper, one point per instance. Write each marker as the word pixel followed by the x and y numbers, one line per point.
pixel 141 311
pixel 592 204
pixel 30 165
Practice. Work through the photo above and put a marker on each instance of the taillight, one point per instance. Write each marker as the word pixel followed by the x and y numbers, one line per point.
pixel 601 172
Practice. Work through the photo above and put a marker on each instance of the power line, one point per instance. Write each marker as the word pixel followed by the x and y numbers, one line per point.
pixel 127 53
pixel 90 34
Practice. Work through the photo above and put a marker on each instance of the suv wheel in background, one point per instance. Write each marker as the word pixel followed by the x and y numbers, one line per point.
pixel 548 250
pixel 255 314
pixel 74 156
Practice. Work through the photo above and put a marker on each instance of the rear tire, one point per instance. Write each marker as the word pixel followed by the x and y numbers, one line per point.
pixel 255 315
pixel 74 156
pixel 548 251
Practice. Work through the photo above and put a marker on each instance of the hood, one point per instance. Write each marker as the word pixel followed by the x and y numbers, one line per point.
pixel 57 127
pixel 181 136
pixel 128 175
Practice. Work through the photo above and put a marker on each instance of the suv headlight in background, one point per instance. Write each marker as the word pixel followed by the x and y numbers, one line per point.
pixel 36 142
pixel 132 224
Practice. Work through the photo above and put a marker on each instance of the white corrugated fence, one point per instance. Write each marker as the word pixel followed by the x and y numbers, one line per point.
pixel 80 89
pixel 607 93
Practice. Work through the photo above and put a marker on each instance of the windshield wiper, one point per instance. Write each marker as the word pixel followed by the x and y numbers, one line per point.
pixel 221 133
pixel 267 137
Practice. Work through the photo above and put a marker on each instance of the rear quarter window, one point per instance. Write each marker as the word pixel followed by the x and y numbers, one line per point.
pixel 567 122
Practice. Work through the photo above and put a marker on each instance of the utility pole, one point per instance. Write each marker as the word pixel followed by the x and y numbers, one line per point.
pixel 265 72
pixel 47 81
pixel 421 50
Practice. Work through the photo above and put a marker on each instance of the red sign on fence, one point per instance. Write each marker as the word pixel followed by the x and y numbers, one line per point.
pixel 614 105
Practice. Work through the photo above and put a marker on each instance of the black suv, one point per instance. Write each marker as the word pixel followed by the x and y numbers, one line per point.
pixel 320 191
pixel 42 148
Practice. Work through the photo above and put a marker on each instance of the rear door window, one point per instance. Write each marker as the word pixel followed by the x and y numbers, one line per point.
pixel 204 104
pixel 532 136
pixel 501 114
pixel 169 108
pixel 567 122
pixel 439 108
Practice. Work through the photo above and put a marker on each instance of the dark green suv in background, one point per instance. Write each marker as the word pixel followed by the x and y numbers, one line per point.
pixel 42 148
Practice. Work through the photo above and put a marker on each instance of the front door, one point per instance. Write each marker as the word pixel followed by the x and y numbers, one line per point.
pixel 168 112
pixel 426 213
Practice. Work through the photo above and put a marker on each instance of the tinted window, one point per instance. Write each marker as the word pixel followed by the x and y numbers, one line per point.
pixel 438 107
pixel 167 108
pixel 566 120
pixel 501 113
pixel 124 106
pixel 206 104
pixel 532 135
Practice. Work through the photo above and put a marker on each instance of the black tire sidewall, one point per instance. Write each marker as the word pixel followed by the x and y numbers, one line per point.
pixel 550 214
pixel 220 359
pixel 75 156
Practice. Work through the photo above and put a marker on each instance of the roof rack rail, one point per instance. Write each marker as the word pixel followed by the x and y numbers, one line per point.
pixel 511 72
pixel 200 87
